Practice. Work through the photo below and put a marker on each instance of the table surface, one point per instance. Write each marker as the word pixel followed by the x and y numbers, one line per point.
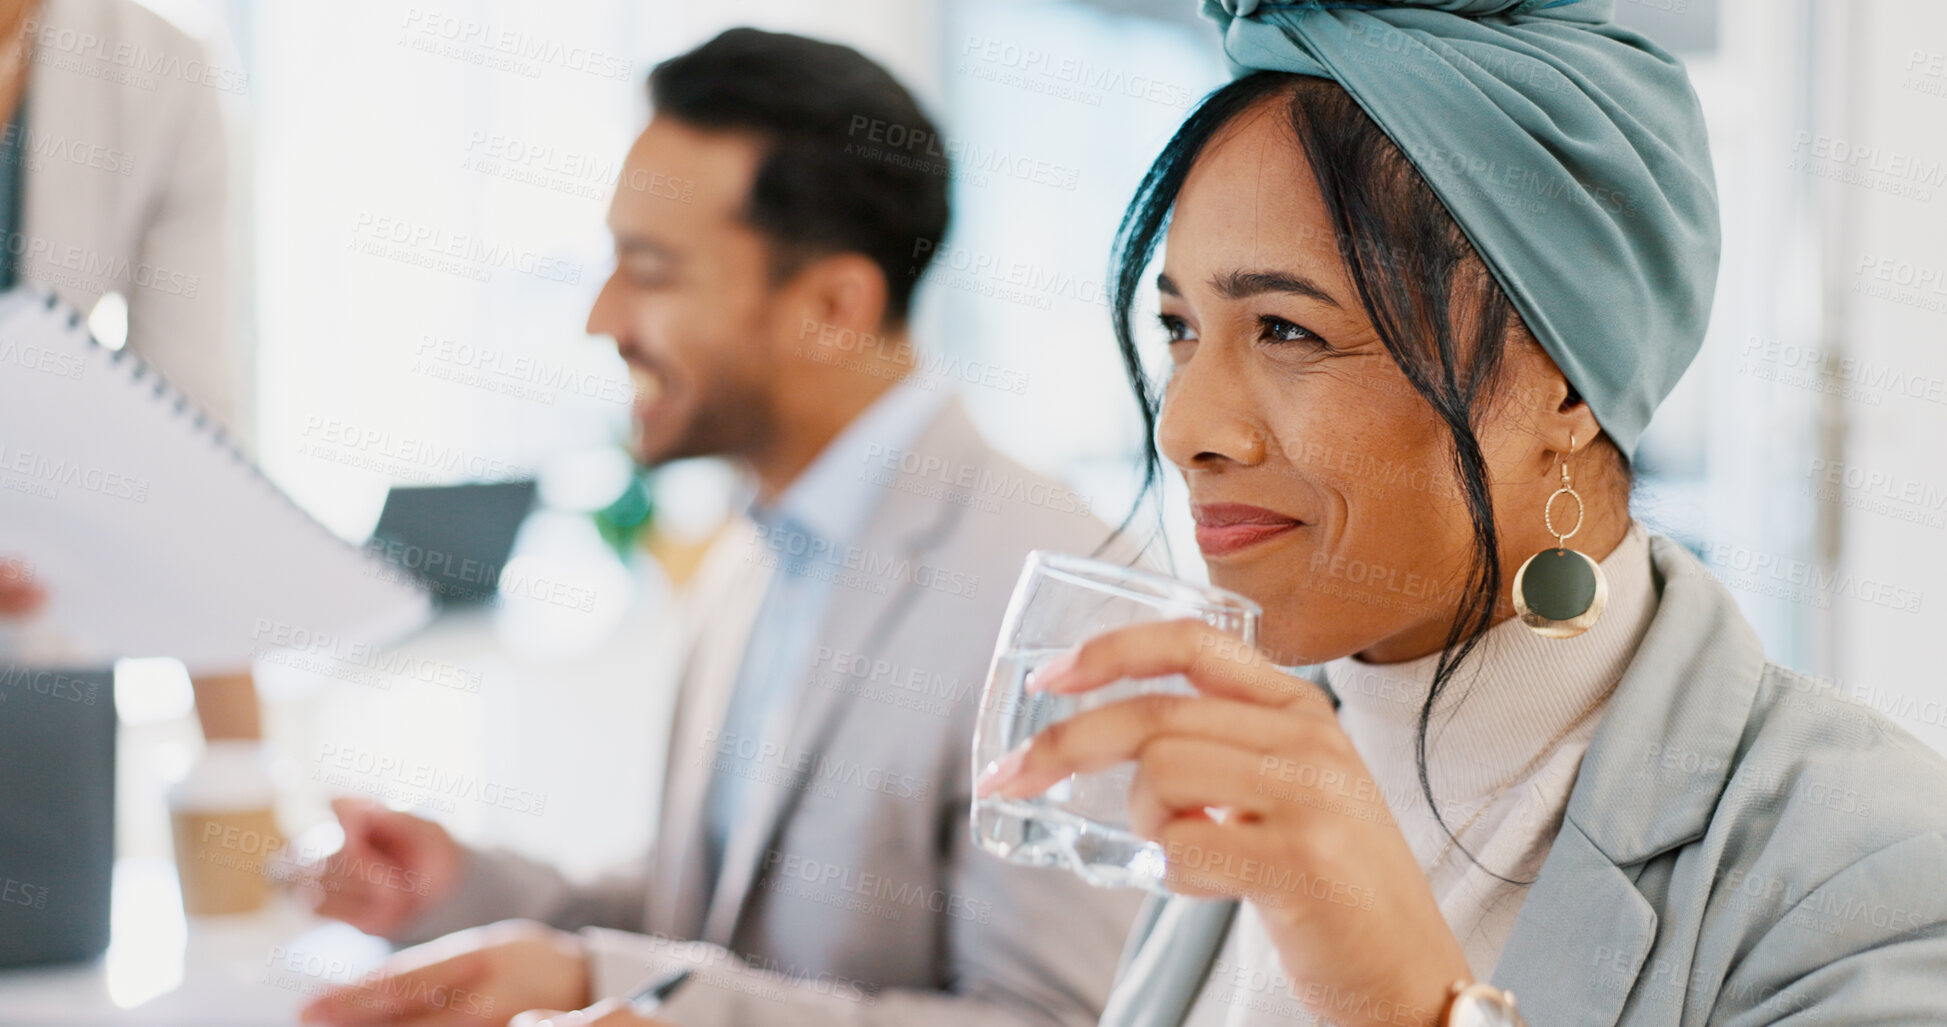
pixel 165 970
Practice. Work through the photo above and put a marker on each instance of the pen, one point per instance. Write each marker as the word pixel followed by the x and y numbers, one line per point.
pixel 652 993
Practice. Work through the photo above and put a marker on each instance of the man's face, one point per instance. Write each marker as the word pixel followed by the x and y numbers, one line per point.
pixel 690 305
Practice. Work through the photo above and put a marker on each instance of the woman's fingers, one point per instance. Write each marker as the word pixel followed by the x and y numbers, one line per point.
pixel 1216 663
pixel 1100 738
pixel 1179 777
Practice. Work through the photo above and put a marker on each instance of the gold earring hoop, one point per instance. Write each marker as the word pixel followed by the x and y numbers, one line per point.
pixel 1560 592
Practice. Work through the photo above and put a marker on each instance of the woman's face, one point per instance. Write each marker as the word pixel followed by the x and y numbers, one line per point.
pixel 1321 482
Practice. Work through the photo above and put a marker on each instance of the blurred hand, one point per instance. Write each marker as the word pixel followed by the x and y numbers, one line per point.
pixel 19 595
pixel 610 1012
pixel 393 866
pixel 473 978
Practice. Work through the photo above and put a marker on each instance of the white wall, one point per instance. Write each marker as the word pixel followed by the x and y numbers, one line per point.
pixel 1885 250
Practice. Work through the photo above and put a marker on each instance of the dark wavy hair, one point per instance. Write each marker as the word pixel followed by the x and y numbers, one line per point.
pixel 1432 301
pixel 831 180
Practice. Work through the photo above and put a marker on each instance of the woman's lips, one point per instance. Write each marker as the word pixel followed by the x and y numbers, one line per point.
pixel 1225 528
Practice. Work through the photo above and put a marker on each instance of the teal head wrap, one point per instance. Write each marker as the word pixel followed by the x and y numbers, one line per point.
pixel 1570 150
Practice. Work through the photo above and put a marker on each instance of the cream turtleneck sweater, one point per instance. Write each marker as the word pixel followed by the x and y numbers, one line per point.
pixel 1511 696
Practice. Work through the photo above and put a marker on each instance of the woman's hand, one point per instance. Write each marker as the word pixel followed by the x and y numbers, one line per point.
pixel 1255 792
pixel 20 595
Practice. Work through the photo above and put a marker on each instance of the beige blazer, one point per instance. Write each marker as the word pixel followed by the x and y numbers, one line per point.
pixel 127 188
pixel 851 892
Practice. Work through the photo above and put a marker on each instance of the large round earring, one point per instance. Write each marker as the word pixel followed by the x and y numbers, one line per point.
pixel 1560 592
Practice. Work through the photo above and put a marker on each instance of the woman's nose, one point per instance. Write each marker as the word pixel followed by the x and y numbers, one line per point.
pixel 1207 419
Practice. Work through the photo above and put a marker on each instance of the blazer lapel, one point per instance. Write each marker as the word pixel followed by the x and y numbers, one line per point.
pixel 1649 782
pixel 680 871
pixel 1161 979
pixel 1580 940
pixel 906 528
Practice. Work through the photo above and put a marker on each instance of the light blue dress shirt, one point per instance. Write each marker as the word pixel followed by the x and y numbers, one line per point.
pixel 808 531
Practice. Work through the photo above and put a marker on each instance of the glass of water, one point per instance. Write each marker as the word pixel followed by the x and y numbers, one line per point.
pixel 1082 823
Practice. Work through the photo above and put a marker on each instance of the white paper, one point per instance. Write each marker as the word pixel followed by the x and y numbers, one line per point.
pixel 151 535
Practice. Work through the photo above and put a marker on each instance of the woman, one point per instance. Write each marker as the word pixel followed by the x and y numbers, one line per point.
pixel 1429 267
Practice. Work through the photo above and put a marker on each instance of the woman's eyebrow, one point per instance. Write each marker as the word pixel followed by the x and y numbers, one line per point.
pixel 1239 285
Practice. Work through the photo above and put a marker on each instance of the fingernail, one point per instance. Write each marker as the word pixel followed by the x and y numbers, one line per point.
pixel 1000 772
pixel 1039 678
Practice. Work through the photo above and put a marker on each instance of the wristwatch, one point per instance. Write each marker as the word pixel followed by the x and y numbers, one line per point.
pixel 1480 1005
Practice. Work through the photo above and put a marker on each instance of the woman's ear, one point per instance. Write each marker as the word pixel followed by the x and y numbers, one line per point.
pixel 1548 414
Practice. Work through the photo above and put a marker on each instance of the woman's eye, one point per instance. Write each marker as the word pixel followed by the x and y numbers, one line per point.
pixel 1277 329
pixel 1177 329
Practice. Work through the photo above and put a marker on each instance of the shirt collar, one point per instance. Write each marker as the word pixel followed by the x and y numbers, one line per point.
pixel 828 499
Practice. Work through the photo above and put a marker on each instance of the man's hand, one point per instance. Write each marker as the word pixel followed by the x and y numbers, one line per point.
pixel 472 978
pixel 392 867
pixel 609 1012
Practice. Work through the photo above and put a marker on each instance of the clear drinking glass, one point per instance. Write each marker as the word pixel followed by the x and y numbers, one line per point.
pixel 1082 823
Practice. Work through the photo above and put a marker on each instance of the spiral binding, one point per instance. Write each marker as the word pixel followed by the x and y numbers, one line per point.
pixel 200 420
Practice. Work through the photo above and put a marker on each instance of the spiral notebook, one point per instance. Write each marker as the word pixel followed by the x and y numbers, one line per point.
pixel 151 533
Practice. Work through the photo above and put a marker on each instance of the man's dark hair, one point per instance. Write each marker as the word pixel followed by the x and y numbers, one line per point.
pixel 852 165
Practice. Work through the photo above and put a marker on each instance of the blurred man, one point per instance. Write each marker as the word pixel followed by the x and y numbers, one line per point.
pixel 812 858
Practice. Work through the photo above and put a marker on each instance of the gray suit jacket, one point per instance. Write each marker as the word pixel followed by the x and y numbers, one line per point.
pixel 851 892
pixel 1744 845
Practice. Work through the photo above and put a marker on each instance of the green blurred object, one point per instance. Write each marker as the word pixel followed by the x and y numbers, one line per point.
pixel 624 520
